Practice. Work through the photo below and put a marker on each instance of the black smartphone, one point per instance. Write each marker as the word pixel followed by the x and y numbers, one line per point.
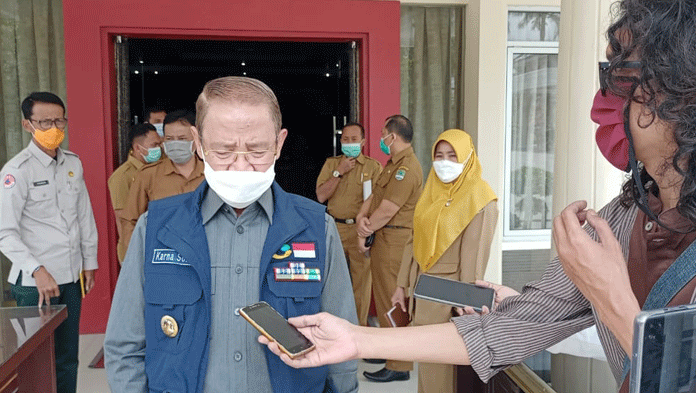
pixel 369 240
pixel 454 293
pixel 276 328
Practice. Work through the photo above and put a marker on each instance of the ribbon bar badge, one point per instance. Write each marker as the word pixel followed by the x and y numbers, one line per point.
pixel 303 250
pixel 296 272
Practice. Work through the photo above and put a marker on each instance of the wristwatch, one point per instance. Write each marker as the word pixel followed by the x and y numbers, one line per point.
pixel 337 174
pixel 36 270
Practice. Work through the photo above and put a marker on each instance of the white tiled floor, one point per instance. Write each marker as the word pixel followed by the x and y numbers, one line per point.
pixel 93 380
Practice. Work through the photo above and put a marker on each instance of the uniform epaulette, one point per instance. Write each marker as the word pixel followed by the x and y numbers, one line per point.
pixel 70 153
pixel 17 161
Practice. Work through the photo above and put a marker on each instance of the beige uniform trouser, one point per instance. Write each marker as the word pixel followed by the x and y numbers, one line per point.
pixel 386 254
pixel 432 377
pixel 360 273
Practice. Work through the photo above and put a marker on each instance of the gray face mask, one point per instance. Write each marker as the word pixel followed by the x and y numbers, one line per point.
pixel 180 152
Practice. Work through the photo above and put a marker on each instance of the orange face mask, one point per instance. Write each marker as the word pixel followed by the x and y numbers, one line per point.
pixel 50 139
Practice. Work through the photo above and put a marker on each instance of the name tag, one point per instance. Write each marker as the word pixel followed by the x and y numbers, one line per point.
pixel 166 255
pixel 40 183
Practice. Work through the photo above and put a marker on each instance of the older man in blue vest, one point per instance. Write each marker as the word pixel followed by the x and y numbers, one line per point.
pixel 195 259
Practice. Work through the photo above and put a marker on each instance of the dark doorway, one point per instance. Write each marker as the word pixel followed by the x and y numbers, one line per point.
pixel 314 82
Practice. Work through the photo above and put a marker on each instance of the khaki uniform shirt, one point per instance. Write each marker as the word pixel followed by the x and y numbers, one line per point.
pixel 401 183
pixel 46 217
pixel 121 180
pixel 119 184
pixel 466 258
pixel 156 181
pixel 346 201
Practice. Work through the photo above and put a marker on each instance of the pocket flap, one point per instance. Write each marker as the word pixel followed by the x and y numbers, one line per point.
pixel 172 289
pixel 40 193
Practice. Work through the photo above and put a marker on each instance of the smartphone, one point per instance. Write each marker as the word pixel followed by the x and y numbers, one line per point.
pixel 454 293
pixel 664 351
pixel 369 240
pixel 276 328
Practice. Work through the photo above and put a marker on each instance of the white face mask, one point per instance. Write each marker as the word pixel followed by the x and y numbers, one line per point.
pixel 239 189
pixel 160 129
pixel 447 170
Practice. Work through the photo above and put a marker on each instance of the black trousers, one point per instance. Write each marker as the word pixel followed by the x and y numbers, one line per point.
pixel 67 335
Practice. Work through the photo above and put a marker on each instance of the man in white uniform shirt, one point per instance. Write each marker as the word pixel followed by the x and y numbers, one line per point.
pixel 47 227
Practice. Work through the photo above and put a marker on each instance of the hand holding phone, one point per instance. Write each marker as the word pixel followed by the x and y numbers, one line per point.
pixel 454 293
pixel 276 328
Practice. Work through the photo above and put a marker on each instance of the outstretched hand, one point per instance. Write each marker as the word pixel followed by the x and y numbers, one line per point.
pixel 333 337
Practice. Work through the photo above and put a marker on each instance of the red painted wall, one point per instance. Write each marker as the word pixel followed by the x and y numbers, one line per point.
pixel 89 29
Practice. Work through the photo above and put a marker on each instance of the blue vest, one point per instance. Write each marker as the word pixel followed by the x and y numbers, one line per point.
pixel 177 284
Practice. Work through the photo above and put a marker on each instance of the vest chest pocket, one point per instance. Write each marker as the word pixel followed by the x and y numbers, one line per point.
pixel 174 303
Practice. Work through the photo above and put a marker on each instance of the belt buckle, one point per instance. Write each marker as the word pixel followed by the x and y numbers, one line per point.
pixel 350 221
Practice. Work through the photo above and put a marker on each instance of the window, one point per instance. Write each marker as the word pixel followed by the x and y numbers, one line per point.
pixel 530 129
pixel 532 64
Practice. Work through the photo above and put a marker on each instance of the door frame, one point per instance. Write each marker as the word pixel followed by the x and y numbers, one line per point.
pixel 89 30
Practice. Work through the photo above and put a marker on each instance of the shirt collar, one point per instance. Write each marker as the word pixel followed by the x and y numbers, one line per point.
pixel 169 167
pixel 134 161
pixel 212 204
pixel 400 155
pixel 360 158
pixel 198 168
pixel 44 158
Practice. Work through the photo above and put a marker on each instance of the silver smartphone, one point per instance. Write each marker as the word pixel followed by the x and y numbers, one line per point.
pixel 664 351
pixel 454 293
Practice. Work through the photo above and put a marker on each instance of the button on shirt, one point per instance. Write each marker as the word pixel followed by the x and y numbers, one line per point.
pixel 46 217
pixel 236 360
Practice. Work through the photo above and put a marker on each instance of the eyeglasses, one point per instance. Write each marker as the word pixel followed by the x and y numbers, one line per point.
pixel 255 157
pixel 604 72
pixel 45 124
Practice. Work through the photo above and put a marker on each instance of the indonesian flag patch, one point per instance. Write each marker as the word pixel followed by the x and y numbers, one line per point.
pixel 304 250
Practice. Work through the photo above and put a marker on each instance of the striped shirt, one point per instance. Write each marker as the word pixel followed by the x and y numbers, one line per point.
pixel 546 312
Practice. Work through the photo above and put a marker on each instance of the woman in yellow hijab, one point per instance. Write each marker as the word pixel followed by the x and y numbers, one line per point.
pixel 453 226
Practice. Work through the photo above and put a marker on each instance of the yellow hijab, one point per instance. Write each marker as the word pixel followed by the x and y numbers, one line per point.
pixel 444 210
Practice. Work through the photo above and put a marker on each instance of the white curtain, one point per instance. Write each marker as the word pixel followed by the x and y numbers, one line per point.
pixel 533 128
